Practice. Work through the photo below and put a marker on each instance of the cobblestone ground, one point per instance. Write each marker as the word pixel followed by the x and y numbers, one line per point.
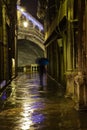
pixel 24 107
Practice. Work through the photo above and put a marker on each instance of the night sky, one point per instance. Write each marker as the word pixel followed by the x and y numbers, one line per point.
pixel 31 7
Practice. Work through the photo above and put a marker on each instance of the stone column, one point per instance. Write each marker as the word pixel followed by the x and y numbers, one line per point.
pixel 81 79
pixel 69 52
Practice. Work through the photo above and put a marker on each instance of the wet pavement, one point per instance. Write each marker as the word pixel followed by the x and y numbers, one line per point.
pixel 24 107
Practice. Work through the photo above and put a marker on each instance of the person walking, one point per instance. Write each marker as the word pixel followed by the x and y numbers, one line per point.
pixel 42 70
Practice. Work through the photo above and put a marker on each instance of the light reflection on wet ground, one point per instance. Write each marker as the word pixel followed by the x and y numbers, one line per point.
pixel 24 107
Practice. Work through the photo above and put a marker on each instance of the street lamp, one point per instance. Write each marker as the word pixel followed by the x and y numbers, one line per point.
pixel 25 24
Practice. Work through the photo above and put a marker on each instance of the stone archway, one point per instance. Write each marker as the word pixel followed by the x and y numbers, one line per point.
pixel 28 52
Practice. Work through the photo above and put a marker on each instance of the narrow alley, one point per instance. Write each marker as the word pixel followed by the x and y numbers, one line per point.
pixel 24 107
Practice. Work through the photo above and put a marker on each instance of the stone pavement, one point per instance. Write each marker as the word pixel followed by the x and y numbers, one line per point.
pixel 24 107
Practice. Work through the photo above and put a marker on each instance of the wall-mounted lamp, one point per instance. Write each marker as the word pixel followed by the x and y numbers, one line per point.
pixel 25 24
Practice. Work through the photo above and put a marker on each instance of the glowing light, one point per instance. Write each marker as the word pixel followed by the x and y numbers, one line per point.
pixel 25 23
pixel 22 10
pixel 31 18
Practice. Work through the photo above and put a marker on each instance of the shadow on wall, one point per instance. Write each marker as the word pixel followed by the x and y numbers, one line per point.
pixel 28 52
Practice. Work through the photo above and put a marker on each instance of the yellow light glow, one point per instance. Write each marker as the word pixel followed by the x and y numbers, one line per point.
pixel 22 10
pixel 25 23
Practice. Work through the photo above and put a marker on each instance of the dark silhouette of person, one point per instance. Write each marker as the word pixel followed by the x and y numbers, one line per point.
pixel 42 71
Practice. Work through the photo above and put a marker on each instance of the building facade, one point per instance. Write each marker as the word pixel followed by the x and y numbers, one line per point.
pixel 8 38
pixel 65 23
